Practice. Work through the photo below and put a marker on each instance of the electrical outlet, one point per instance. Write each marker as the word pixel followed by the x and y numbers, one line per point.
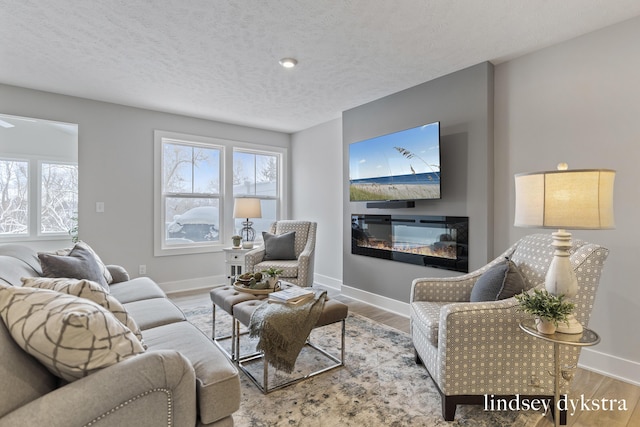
pixel 142 269
pixel 100 207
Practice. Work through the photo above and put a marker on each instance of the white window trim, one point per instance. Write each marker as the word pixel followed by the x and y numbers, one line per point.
pixel 226 189
pixel 34 182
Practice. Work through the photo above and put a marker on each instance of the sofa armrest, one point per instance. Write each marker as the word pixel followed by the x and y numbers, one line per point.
pixel 118 273
pixel 154 388
pixel 454 289
pixel 253 257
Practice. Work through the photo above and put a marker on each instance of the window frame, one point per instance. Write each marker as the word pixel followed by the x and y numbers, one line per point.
pixel 228 147
pixel 34 200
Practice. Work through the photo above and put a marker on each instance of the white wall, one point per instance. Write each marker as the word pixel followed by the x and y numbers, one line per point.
pixel 579 102
pixel 316 183
pixel 115 149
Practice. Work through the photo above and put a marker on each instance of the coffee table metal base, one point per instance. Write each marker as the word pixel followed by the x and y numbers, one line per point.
pixel 244 361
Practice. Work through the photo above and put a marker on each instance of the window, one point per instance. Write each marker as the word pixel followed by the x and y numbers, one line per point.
pixel 57 184
pixel 58 197
pixel 190 193
pixel 197 179
pixel 255 174
pixel 14 189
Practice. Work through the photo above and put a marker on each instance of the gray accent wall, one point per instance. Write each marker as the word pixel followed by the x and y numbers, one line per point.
pixel 463 104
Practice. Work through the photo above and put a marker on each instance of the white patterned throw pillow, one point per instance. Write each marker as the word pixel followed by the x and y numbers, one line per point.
pixel 73 337
pixel 86 289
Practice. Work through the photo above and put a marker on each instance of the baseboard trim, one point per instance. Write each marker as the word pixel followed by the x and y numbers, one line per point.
pixel 610 366
pixel 397 307
pixel 327 282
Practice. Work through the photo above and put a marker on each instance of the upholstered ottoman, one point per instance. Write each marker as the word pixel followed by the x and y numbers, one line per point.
pixel 333 312
pixel 227 297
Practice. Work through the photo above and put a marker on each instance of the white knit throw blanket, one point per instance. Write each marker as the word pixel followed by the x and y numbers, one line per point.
pixel 283 329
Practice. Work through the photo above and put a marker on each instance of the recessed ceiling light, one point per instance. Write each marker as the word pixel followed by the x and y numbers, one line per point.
pixel 288 62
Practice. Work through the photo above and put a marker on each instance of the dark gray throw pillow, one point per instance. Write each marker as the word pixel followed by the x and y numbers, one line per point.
pixel 501 281
pixel 79 264
pixel 279 246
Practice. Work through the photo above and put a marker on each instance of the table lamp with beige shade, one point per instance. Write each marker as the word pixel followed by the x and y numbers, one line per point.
pixel 565 199
pixel 247 207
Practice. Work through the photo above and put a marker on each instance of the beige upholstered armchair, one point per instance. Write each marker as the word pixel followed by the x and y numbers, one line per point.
pixel 477 349
pixel 298 268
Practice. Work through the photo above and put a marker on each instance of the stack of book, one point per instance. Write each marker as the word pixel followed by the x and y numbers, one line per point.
pixel 292 295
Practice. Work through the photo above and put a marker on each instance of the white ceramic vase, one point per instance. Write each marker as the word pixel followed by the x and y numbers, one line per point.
pixel 544 326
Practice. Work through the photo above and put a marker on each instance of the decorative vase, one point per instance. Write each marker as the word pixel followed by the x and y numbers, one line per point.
pixel 544 326
pixel 236 242
pixel 272 281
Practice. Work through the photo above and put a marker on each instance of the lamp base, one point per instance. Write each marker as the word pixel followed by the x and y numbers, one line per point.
pixel 571 326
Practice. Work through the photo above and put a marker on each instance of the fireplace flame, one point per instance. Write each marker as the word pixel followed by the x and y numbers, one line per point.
pixel 436 250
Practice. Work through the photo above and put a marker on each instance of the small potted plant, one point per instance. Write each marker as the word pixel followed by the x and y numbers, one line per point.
pixel 273 273
pixel 237 240
pixel 548 309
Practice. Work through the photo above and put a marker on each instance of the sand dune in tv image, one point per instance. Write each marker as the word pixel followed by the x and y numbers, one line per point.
pixel 374 191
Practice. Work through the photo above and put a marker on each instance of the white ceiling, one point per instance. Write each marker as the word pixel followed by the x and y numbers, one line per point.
pixel 219 59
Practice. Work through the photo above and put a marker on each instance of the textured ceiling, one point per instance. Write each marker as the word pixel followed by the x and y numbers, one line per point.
pixel 219 59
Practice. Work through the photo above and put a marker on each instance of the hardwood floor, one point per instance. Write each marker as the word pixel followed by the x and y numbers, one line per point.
pixel 587 383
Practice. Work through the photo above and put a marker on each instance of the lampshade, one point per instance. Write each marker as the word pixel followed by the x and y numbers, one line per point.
pixel 571 199
pixel 244 207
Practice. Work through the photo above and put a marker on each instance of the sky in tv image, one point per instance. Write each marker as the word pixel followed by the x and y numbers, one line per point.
pixel 383 156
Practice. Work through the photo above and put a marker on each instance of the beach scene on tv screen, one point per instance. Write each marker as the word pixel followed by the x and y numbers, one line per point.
pixel 400 166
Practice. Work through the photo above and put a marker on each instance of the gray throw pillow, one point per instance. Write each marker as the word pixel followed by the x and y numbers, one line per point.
pixel 79 264
pixel 501 281
pixel 279 246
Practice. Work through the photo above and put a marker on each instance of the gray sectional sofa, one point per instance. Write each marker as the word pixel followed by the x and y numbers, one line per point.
pixel 182 379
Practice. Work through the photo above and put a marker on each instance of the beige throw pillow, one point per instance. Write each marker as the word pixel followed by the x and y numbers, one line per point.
pixel 86 289
pixel 73 337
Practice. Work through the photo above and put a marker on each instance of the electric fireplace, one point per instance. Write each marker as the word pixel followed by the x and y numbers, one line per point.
pixel 432 241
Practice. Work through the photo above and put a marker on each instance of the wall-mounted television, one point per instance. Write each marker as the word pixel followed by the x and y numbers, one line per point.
pixel 403 165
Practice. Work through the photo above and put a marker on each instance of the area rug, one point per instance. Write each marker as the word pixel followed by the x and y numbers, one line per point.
pixel 380 384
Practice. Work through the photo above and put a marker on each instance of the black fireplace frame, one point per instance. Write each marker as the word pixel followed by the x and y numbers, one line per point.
pixel 447 224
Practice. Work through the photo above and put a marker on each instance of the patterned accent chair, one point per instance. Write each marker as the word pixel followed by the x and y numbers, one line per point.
pixel 298 271
pixel 477 349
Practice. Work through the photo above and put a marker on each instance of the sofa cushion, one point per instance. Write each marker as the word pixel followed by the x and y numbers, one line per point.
pixel 501 281
pixel 71 336
pixel 427 314
pixel 89 290
pixel 23 378
pixel 18 261
pixel 289 268
pixel 217 381
pixel 280 246
pixel 79 264
pixel 136 289
pixel 154 312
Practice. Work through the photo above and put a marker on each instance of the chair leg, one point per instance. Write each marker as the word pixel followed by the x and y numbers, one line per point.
pixel 417 357
pixel 448 408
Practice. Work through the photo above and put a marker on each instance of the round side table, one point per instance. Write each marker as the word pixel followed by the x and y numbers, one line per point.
pixel 584 339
